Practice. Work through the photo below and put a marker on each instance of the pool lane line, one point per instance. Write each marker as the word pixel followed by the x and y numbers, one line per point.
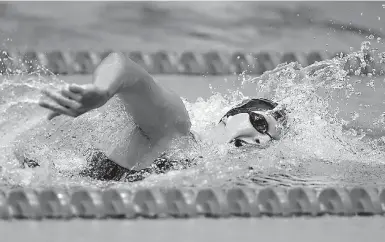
pixel 153 203
pixel 209 63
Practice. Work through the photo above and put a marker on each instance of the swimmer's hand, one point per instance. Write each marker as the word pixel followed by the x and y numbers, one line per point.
pixel 73 100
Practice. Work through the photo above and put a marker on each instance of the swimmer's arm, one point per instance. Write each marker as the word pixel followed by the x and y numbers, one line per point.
pixel 159 113
pixel 154 108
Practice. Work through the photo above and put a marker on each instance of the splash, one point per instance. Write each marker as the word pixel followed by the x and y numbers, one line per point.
pixel 322 144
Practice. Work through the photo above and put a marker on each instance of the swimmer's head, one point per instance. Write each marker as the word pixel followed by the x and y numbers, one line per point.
pixel 254 121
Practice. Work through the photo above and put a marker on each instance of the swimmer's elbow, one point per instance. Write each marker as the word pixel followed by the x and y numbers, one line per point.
pixel 184 124
pixel 176 111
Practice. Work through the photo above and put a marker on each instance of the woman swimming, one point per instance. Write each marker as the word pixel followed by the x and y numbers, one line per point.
pixel 159 115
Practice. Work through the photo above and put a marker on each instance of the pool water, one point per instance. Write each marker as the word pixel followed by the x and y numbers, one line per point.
pixel 335 134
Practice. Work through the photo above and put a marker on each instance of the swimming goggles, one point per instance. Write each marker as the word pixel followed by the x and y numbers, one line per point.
pixel 257 120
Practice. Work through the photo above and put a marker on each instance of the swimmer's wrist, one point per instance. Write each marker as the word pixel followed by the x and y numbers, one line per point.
pixel 106 92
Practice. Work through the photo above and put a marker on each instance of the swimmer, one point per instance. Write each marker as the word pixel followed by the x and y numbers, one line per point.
pixel 159 115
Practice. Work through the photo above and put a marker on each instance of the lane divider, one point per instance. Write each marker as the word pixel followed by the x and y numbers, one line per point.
pixel 189 203
pixel 161 62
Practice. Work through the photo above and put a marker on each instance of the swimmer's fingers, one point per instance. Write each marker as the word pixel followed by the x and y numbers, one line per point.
pixel 76 89
pixel 70 95
pixel 56 109
pixel 60 99
pixel 53 115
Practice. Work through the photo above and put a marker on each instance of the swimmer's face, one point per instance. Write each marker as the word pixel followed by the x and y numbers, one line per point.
pixel 252 128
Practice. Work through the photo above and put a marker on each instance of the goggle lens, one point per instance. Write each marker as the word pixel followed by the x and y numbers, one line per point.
pixel 259 122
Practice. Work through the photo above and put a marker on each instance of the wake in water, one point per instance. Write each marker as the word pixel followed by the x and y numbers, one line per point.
pixel 323 144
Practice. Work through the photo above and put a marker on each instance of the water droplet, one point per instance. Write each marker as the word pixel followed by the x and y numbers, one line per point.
pixel 297 14
pixel 351 48
pixel 379 18
pixel 327 44
pixel 355 115
pixel 362 14
pixel 371 37
pixel 314 37
pixel 383 5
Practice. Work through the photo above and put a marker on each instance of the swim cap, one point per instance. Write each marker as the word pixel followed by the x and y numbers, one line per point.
pixel 259 104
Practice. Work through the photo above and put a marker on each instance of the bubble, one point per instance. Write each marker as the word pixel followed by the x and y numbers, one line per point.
pixel 355 115
pixel 370 84
pixel 365 46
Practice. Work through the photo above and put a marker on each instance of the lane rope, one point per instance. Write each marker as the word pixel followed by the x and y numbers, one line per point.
pixel 54 203
pixel 185 63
